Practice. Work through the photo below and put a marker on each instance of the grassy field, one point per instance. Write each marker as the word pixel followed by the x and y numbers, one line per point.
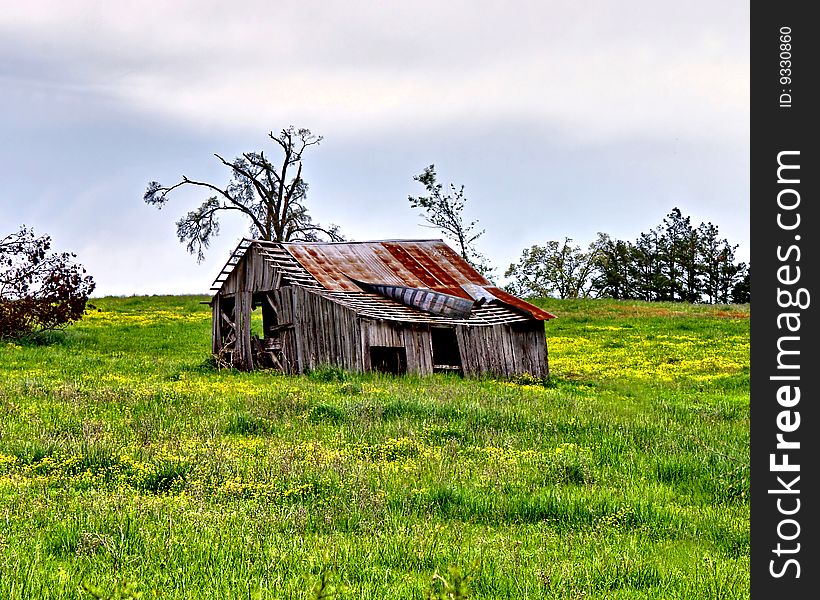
pixel 130 468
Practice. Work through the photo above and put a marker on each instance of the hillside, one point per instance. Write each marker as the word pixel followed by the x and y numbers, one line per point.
pixel 129 465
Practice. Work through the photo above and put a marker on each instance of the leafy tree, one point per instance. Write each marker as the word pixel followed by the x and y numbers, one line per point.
pixel 40 290
pixel 712 257
pixel 729 272
pixel 533 274
pixel 647 272
pixel 271 196
pixel 443 211
pixel 555 269
pixel 612 268
pixel 719 272
pixel 742 291
pixel 683 256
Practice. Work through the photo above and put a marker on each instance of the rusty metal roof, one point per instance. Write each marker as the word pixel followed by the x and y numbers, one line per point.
pixel 428 264
pixel 425 264
pixel 421 264
pixel 507 298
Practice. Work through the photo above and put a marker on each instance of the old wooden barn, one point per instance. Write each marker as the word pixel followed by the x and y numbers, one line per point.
pixel 409 306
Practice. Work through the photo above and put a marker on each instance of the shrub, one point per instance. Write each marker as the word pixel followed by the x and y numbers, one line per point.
pixel 39 290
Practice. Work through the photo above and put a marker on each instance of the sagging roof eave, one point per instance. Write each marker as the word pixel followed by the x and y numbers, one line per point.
pixel 479 318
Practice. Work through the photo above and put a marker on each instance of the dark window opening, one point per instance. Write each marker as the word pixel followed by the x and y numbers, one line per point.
pixel 388 359
pixel 446 356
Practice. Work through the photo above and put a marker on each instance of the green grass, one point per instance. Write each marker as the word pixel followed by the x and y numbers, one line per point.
pixel 130 468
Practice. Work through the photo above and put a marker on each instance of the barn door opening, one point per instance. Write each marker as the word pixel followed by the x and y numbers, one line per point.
pixel 388 359
pixel 225 347
pixel 446 357
pixel 266 334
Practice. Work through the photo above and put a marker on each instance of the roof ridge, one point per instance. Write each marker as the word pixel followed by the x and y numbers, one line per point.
pixel 348 242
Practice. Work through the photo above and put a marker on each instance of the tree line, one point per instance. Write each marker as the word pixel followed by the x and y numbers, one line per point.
pixel 675 261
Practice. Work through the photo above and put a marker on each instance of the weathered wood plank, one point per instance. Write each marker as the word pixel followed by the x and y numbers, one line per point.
pixel 283 299
pixel 216 326
pixel 298 328
pixel 244 358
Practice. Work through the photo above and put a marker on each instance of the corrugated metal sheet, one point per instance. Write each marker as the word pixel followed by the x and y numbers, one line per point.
pixel 435 303
pixel 478 293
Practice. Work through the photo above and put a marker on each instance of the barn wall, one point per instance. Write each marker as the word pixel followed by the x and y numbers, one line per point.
pixel 414 339
pixel 252 273
pixel 534 358
pixel 324 332
pixel 503 350
pixel 242 357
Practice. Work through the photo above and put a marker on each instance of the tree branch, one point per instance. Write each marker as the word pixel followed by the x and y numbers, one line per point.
pixel 224 194
pixel 258 189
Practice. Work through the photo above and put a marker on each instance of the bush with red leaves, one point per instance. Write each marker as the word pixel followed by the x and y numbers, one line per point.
pixel 40 290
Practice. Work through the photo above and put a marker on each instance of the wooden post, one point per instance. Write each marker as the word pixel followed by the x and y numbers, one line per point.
pixel 216 328
pixel 298 331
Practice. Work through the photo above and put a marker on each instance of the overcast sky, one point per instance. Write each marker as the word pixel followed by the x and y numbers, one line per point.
pixel 561 119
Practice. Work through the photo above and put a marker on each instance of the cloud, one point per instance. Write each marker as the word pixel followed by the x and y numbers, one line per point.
pixel 591 68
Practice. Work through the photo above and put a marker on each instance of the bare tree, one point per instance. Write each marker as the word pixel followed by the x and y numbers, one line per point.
pixel 442 211
pixel 272 196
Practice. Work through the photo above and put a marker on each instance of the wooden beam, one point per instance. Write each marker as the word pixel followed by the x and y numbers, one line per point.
pixel 227 320
pixel 272 304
